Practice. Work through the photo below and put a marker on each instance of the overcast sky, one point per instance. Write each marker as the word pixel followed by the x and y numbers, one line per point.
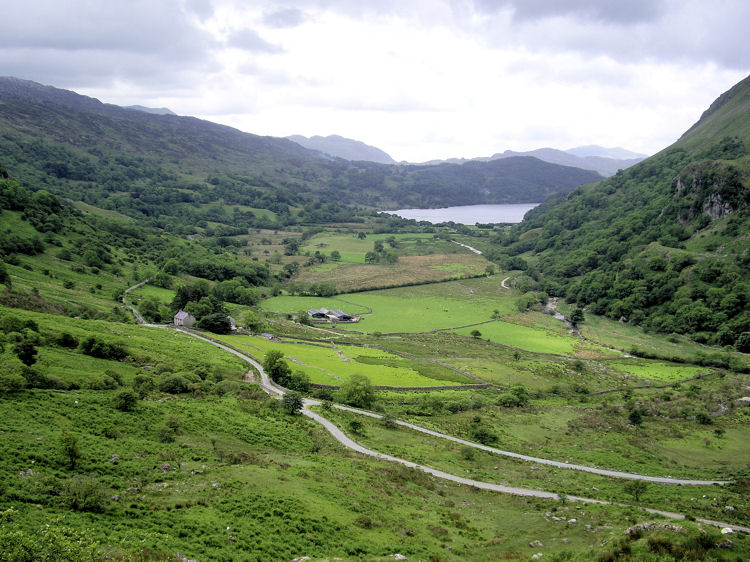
pixel 420 79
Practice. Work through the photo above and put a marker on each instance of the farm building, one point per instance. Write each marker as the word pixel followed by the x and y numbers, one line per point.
pixel 330 315
pixel 183 318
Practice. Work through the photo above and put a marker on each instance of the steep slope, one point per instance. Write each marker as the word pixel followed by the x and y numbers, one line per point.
pixel 663 244
pixel 340 147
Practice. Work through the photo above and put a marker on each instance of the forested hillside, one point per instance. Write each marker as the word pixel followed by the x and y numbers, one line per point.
pixel 662 244
pixel 181 173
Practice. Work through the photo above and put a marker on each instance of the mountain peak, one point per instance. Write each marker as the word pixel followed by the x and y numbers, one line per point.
pixel 341 147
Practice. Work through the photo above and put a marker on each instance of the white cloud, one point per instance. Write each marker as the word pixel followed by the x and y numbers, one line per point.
pixel 420 79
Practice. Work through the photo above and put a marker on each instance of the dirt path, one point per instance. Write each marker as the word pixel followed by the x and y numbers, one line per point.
pixel 504 283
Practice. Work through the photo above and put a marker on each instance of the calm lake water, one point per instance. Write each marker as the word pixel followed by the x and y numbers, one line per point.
pixel 469 214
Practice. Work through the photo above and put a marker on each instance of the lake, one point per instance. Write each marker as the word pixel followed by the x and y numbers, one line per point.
pixel 469 214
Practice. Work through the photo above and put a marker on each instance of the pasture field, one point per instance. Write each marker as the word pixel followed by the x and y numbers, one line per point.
pixel 333 365
pixel 353 249
pixel 658 370
pixel 350 277
pixel 456 458
pixel 523 337
pixel 420 308
pixel 163 295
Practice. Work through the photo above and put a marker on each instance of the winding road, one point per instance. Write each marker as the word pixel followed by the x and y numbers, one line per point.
pixel 275 390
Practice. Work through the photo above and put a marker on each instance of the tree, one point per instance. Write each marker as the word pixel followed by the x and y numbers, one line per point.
pixel 292 402
pixel 69 448
pixel 576 317
pixel 361 235
pixel 335 255
pixel 636 488
pixel 216 322
pixel 276 366
pixel 476 334
pixel 357 391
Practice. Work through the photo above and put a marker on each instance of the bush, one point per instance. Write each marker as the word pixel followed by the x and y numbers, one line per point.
pixel 125 401
pixel 292 402
pixel 173 384
pixel 95 347
pixel 84 493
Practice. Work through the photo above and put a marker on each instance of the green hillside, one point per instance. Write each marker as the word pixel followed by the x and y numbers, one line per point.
pixel 179 173
pixel 662 244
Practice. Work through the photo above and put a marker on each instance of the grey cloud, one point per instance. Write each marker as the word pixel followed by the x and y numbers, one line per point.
pixel 606 11
pixel 291 17
pixel 250 40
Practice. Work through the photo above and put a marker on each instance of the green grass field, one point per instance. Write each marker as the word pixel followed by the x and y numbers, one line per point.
pixel 328 365
pixel 658 370
pixel 420 308
pixel 523 337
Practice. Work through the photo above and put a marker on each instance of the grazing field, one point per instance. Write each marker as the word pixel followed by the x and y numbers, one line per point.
pixel 658 370
pixel 413 309
pixel 349 277
pixel 164 296
pixel 335 364
pixel 523 337
pixel 353 249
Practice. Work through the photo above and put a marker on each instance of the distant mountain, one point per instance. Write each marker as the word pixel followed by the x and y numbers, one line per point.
pixel 595 150
pixel 607 166
pixel 181 173
pixel 586 160
pixel 341 147
pixel 663 244
pixel 153 110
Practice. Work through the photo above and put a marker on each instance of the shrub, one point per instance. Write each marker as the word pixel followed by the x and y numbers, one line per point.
pixel 125 401
pixel 84 493
pixel 95 347
pixel 292 402
pixel 173 384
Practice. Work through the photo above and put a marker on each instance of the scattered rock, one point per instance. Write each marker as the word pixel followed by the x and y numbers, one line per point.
pixel 572 520
pixel 26 473
pixel 537 544
pixel 301 559
pixel 537 556
pixel 115 498
pixel 565 541
pixel 399 557
pixel 166 467
pixel 729 508
pixel 182 558
pixel 114 459
pixel 556 518
pixel 217 485
pixel 196 472
pixel 726 531
pixel 636 530
pixel 133 490
pixel 726 543
pixel 38 438
pixel 232 538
